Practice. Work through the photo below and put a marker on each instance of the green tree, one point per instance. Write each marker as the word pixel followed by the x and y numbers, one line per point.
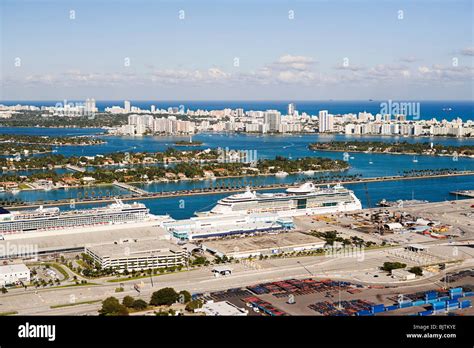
pixel 389 266
pixel 139 304
pixel 165 296
pixel 112 306
pixel 128 301
pixel 416 270
pixel 184 296
pixel 193 305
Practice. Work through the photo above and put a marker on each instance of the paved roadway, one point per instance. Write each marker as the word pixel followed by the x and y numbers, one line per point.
pixel 31 302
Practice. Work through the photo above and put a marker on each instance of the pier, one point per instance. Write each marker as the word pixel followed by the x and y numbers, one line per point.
pixel 139 194
pixel 131 188
pixel 463 193
pixel 75 168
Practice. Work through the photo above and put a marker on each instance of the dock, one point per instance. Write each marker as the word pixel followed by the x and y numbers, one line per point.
pixel 463 193
pixel 131 188
pixel 75 168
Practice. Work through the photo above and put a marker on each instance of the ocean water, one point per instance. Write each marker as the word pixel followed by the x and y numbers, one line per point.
pixel 446 109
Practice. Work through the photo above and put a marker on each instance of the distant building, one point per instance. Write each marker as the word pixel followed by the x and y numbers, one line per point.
pixel 291 109
pixel 14 273
pixel 127 106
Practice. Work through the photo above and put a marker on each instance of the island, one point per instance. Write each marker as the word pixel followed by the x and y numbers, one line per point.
pixel 399 148
pixel 188 143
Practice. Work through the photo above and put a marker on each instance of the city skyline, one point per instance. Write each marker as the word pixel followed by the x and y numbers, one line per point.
pixel 237 51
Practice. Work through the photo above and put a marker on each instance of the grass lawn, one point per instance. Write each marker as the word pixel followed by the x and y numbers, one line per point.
pixel 74 304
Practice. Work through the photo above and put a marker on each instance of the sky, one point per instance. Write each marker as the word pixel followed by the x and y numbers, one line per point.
pixel 236 50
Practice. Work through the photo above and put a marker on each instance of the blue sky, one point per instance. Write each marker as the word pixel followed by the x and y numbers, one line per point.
pixel 329 50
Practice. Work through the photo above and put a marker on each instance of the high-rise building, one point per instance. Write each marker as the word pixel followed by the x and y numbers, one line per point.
pixel 326 122
pixel 272 119
pixel 127 106
pixel 90 106
pixel 291 109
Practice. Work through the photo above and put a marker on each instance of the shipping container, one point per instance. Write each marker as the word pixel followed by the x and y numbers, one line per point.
pixel 419 303
pixel 455 290
pixel 405 304
pixel 424 313
pixel 469 293
pixel 391 308
pixel 377 308
pixel 430 295
pixel 439 305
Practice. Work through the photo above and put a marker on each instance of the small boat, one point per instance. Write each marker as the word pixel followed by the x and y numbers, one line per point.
pixel 370 162
pixel 281 174
pixel 415 160
pixel 352 157
pixel 308 172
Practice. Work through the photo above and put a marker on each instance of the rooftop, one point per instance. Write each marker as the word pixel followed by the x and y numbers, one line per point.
pixel 223 308
pixel 13 268
pixel 152 247
pixel 264 242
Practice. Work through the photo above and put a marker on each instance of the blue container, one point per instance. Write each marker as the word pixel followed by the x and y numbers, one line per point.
pixel 391 308
pixel 469 293
pixel 456 296
pixel 405 304
pixel 363 313
pixel 439 305
pixel 444 298
pixel 455 291
pixel 425 313
pixel 378 308
pixel 465 304
pixel 430 295
pixel 419 303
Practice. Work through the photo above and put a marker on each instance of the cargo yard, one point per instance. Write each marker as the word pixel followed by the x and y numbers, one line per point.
pixel 328 297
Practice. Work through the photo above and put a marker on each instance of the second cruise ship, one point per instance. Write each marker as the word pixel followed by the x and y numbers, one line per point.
pixel 47 219
pixel 307 199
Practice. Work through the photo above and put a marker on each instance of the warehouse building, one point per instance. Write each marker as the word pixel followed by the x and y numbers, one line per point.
pixel 14 273
pixel 264 245
pixel 137 254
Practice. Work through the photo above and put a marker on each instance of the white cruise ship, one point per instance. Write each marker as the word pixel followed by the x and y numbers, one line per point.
pixel 44 219
pixel 306 199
